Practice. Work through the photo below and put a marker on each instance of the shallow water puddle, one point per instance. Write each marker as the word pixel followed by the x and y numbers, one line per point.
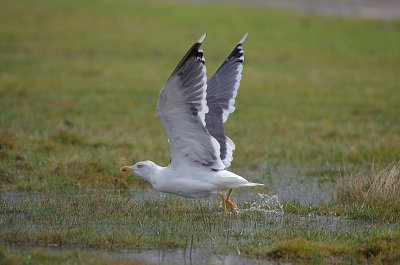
pixel 155 256
pixel 290 183
pixel 182 256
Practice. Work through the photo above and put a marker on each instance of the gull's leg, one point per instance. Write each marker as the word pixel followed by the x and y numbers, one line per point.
pixel 231 205
pixel 223 201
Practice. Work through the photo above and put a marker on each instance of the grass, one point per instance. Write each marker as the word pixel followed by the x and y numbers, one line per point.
pixel 373 194
pixel 79 82
pixel 374 250
pixel 117 220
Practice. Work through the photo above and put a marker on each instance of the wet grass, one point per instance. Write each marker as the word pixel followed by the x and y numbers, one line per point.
pixel 79 82
pixel 117 220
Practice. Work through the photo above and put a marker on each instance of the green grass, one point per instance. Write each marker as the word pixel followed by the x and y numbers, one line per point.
pixel 79 83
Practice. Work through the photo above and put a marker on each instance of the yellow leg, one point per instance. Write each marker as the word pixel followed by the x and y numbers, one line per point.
pixel 223 201
pixel 231 205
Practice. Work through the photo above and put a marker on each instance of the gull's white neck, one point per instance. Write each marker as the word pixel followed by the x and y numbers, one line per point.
pixel 154 174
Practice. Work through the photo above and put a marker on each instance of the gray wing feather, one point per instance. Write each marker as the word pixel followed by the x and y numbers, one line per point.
pixel 181 109
pixel 221 93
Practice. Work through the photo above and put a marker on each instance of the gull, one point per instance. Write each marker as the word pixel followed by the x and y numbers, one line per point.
pixel 192 112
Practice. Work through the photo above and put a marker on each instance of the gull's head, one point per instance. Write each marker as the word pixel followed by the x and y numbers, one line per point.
pixel 142 169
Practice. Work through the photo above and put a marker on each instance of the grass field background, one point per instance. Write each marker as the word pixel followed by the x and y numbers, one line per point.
pixel 79 83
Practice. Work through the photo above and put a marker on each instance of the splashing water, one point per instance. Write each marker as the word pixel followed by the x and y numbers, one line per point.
pixel 265 204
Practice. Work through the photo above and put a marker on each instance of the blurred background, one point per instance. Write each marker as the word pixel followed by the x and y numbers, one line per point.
pixel 385 9
pixel 79 84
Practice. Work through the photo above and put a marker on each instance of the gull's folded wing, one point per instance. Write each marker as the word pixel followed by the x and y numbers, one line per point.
pixel 181 108
pixel 221 92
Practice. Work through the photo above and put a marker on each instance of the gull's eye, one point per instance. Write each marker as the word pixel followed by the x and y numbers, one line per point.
pixel 139 166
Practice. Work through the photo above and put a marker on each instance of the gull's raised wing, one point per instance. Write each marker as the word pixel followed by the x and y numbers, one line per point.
pixel 181 108
pixel 221 93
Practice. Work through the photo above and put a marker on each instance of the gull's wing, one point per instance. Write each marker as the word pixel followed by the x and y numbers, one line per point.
pixel 221 92
pixel 181 109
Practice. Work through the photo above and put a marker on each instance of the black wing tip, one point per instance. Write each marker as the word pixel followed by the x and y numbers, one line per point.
pixel 238 51
pixel 194 51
